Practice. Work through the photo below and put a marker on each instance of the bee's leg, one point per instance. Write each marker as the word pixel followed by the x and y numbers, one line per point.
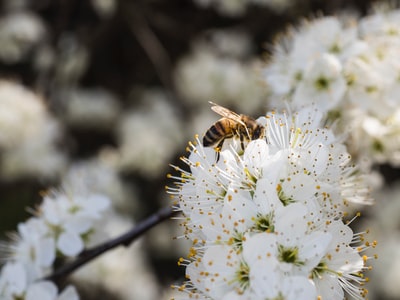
pixel 218 149
pixel 217 155
pixel 241 141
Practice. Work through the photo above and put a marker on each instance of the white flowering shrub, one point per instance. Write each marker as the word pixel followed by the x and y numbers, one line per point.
pixel 61 227
pixel 350 68
pixel 109 91
pixel 266 222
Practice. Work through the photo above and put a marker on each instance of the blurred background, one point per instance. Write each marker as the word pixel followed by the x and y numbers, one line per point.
pixel 111 92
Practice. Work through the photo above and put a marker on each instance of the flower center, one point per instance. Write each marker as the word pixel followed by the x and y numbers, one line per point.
pixel 285 199
pixel 242 277
pixel 322 83
pixel 236 240
pixel 335 48
pixel 264 223
pixel 289 255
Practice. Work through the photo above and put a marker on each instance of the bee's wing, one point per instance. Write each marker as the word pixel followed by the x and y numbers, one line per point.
pixel 227 113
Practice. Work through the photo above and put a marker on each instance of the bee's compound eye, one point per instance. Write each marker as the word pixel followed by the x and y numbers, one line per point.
pixel 257 133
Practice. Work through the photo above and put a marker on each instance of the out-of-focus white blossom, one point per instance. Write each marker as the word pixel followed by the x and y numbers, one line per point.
pixel 149 135
pixel 384 223
pixel 44 59
pixel 15 283
pixel 72 60
pixel 349 67
pixel 266 221
pixel 124 271
pixel 105 8
pixel 100 176
pixel 28 135
pixel 20 32
pixel 238 7
pixel 90 108
pixel 34 247
pixel 66 222
pixel 231 43
pixel 212 73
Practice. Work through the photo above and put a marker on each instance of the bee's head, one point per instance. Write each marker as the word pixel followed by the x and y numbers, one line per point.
pixel 257 132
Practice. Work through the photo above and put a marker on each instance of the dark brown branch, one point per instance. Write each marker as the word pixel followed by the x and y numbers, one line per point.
pixel 125 239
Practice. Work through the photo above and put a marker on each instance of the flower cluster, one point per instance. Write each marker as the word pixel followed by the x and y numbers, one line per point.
pixel 90 108
pixel 352 72
pixel 267 221
pixel 61 228
pixel 28 135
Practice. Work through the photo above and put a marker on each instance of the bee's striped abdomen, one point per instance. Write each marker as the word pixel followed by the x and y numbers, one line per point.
pixel 216 133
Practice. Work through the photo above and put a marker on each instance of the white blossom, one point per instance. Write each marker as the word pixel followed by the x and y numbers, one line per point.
pixel 90 108
pixel 16 284
pixel 20 32
pixel 71 61
pixel 238 7
pixel 34 247
pixel 104 8
pixel 28 136
pixel 266 220
pixel 141 131
pixel 214 70
pixel 352 73
pixel 67 221
pixel 100 176
pixel 72 217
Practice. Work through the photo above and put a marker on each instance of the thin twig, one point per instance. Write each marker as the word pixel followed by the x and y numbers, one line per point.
pixel 125 239
pixel 135 15
pixel 152 46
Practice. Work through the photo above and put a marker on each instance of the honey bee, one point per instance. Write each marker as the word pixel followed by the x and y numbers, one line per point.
pixel 231 125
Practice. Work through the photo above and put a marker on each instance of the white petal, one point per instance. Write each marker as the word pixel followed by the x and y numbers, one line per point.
pixel 290 222
pixel 97 203
pixel 69 293
pixel 44 290
pixel 266 197
pixel 265 278
pixel 15 278
pixel 255 154
pixel 70 244
pixel 328 287
pixel 46 252
pixel 299 288
pixel 79 224
pixel 314 247
pixel 221 263
pixel 259 247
